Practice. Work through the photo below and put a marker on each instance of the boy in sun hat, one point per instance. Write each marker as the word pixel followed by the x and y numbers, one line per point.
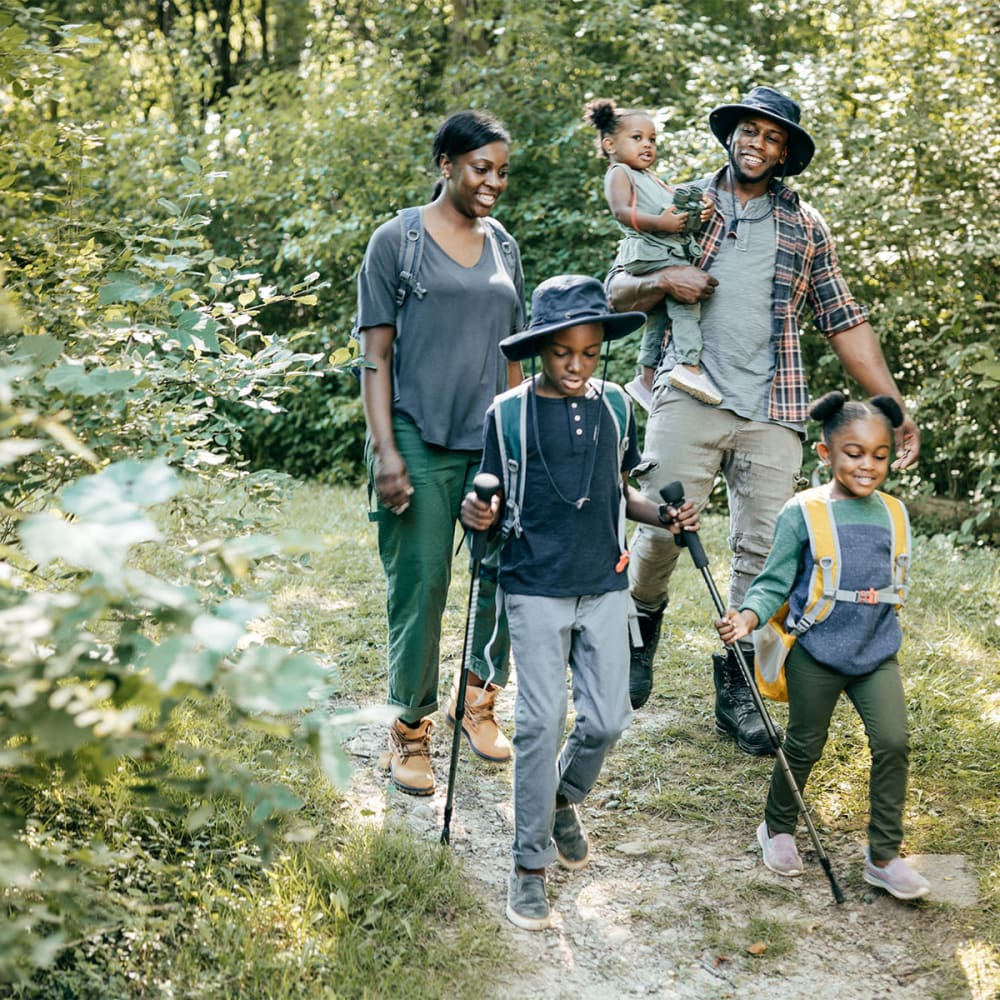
pixel 562 444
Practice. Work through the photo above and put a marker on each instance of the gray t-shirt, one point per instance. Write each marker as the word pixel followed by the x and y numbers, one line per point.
pixel 736 323
pixel 447 364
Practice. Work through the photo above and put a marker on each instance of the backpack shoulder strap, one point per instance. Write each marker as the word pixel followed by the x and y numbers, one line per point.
pixel 499 237
pixel 411 246
pixel 510 414
pixel 621 411
pixel 899 530
pixel 824 544
pixel 902 542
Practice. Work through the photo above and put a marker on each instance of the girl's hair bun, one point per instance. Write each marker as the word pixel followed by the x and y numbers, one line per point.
pixel 835 410
pixel 827 406
pixel 602 113
pixel 892 410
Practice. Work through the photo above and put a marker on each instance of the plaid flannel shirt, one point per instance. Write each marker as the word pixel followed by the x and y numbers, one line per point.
pixel 806 269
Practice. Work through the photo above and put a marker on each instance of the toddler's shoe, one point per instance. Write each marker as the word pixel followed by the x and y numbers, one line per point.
pixel 638 391
pixel 897 878
pixel 696 384
pixel 780 853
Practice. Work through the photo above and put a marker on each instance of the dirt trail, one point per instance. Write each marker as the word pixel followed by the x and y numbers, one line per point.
pixel 669 909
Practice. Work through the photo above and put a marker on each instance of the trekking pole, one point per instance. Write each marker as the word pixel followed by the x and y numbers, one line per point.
pixel 674 495
pixel 485 486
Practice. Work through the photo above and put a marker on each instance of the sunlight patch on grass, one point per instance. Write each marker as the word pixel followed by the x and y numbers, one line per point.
pixel 981 964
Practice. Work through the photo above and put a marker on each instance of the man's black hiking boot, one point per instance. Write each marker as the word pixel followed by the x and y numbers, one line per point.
pixel 640 672
pixel 736 714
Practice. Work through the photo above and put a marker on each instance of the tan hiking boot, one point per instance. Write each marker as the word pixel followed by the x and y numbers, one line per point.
pixel 410 757
pixel 479 723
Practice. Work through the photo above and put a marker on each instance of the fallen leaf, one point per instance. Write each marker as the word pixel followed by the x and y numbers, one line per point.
pixel 757 948
pixel 719 959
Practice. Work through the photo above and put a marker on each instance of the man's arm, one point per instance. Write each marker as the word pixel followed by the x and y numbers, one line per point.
pixel 684 283
pixel 861 356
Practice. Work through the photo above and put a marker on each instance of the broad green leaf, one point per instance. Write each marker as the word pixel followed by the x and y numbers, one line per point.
pixel 220 635
pixel 176 661
pixel 100 548
pixel 75 380
pixel 267 679
pixel 41 348
pixel 121 490
pixel 128 286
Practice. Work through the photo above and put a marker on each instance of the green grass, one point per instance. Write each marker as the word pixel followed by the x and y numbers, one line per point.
pixel 353 911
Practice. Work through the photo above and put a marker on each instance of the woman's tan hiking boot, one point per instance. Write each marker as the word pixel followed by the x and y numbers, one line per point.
pixel 479 723
pixel 410 760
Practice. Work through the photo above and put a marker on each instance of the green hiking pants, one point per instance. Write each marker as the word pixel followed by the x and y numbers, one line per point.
pixel 813 690
pixel 416 550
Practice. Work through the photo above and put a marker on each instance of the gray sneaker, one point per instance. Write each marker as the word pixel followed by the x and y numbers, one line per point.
pixel 527 906
pixel 572 846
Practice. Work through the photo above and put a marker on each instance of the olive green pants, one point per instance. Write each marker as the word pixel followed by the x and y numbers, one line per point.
pixel 813 691
pixel 416 549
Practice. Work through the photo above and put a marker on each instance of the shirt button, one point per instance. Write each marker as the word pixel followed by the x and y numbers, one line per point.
pixel 574 405
pixel 579 430
pixel 578 417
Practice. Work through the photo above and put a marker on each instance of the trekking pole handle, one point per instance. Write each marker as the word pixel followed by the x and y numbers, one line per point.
pixel 673 494
pixel 485 486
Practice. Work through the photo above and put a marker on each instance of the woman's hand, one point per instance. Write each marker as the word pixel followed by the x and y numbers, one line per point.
pixel 392 481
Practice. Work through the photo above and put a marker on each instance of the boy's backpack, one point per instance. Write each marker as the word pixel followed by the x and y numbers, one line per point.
pixel 775 639
pixel 510 413
pixel 411 248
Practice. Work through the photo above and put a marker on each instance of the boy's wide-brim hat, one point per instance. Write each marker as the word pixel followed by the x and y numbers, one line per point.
pixel 564 301
pixel 771 104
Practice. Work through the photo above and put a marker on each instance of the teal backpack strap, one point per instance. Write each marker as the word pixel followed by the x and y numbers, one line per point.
pixel 510 413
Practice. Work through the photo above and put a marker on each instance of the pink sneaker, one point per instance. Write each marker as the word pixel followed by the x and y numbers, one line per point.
pixel 780 853
pixel 897 878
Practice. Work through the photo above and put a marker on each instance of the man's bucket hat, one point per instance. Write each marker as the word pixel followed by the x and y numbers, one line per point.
pixel 564 301
pixel 771 104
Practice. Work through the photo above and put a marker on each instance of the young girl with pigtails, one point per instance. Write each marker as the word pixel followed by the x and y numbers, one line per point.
pixel 852 650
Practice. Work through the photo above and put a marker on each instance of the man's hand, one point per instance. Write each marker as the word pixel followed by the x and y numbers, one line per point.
pixel 907 444
pixel 687 284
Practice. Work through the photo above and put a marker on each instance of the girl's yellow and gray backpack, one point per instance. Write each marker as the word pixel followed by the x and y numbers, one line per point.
pixel 774 640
